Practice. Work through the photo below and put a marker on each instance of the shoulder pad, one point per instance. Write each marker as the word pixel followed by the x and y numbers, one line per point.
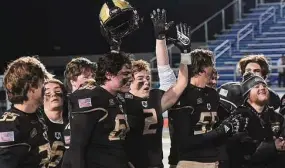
pixel 9 132
pixel 156 94
pixel 121 97
pixel 283 101
pixel 128 96
pixel 245 111
pixel 87 85
pixel 85 100
pixel 274 100
pixel 230 95
pixel 282 111
pixel 158 91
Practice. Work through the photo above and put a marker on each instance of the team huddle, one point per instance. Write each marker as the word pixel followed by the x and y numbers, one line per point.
pixel 106 115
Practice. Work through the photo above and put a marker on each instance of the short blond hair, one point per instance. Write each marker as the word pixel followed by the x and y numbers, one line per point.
pixel 140 65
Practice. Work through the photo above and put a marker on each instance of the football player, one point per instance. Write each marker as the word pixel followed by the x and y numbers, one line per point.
pixel 261 145
pixel 98 122
pixel 196 140
pixel 145 105
pixel 77 72
pixel 54 105
pixel 23 134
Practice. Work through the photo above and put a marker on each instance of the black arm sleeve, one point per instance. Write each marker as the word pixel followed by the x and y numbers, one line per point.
pixel 81 131
pixel 265 151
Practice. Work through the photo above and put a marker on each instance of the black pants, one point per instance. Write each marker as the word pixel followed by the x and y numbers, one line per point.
pixel 281 77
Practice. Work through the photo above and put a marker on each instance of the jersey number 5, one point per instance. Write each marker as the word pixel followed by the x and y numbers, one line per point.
pixel 121 128
pixel 207 119
pixel 150 120
pixel 7 116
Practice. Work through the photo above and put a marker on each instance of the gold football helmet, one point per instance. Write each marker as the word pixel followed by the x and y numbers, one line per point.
pixel 118 18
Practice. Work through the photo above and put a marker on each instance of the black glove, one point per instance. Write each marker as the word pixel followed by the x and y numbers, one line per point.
pixel 158 18
pixel 113 42
pixel 233 125
pixel 183 41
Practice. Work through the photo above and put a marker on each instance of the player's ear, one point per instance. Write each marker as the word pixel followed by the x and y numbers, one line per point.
pixel 73 82
pixel 108 75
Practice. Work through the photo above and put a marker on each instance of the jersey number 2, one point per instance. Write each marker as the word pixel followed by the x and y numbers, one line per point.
pixel 151 120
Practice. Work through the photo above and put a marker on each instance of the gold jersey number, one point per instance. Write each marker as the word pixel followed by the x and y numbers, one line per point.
pixel 121 128
pixel 149 121
pixel 206 121
pixel 8 116
pixel 53 154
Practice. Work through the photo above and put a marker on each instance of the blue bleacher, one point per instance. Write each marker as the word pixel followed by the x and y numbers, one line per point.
pixel 271 42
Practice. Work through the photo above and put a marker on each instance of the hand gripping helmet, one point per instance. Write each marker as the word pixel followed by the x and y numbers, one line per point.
pixel 118 18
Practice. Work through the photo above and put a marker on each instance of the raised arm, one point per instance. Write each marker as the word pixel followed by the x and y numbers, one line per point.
pixel 183 42
pixel 166 75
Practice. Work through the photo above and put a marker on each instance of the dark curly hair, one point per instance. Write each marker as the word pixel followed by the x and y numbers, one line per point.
pixel 112 63
pixel 75 68
pixel 200 59
pixel 259 59
pixel 21 75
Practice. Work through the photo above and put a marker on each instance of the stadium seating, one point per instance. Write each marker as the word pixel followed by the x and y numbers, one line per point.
pixel 270 40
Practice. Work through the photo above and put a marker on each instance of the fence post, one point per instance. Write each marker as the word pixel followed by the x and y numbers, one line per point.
pixel 240 9
pixel 206 32
pixel 223 20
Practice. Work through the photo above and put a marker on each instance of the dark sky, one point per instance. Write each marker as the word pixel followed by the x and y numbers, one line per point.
pixel 36 26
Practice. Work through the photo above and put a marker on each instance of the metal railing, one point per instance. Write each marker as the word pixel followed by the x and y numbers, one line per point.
pixel 270 12
pixel 250 30
pixel 222 13
pixel 228 47
pixel 228 68
pixel 282 5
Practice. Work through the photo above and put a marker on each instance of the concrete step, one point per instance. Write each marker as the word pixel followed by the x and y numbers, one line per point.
pixel 270 38
pixel 274 33
pixel 278 28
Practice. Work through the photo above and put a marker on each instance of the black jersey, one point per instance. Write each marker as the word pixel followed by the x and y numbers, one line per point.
pixel 56 140
pixel 173 155
pixel 146 124
pixel 98 129
pixel 256 147
pixel 134 146
pixel 197 115
pixel 23 140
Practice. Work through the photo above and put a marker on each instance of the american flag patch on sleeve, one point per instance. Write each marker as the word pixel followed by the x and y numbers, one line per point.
pixel 84 102
pixel 7 136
